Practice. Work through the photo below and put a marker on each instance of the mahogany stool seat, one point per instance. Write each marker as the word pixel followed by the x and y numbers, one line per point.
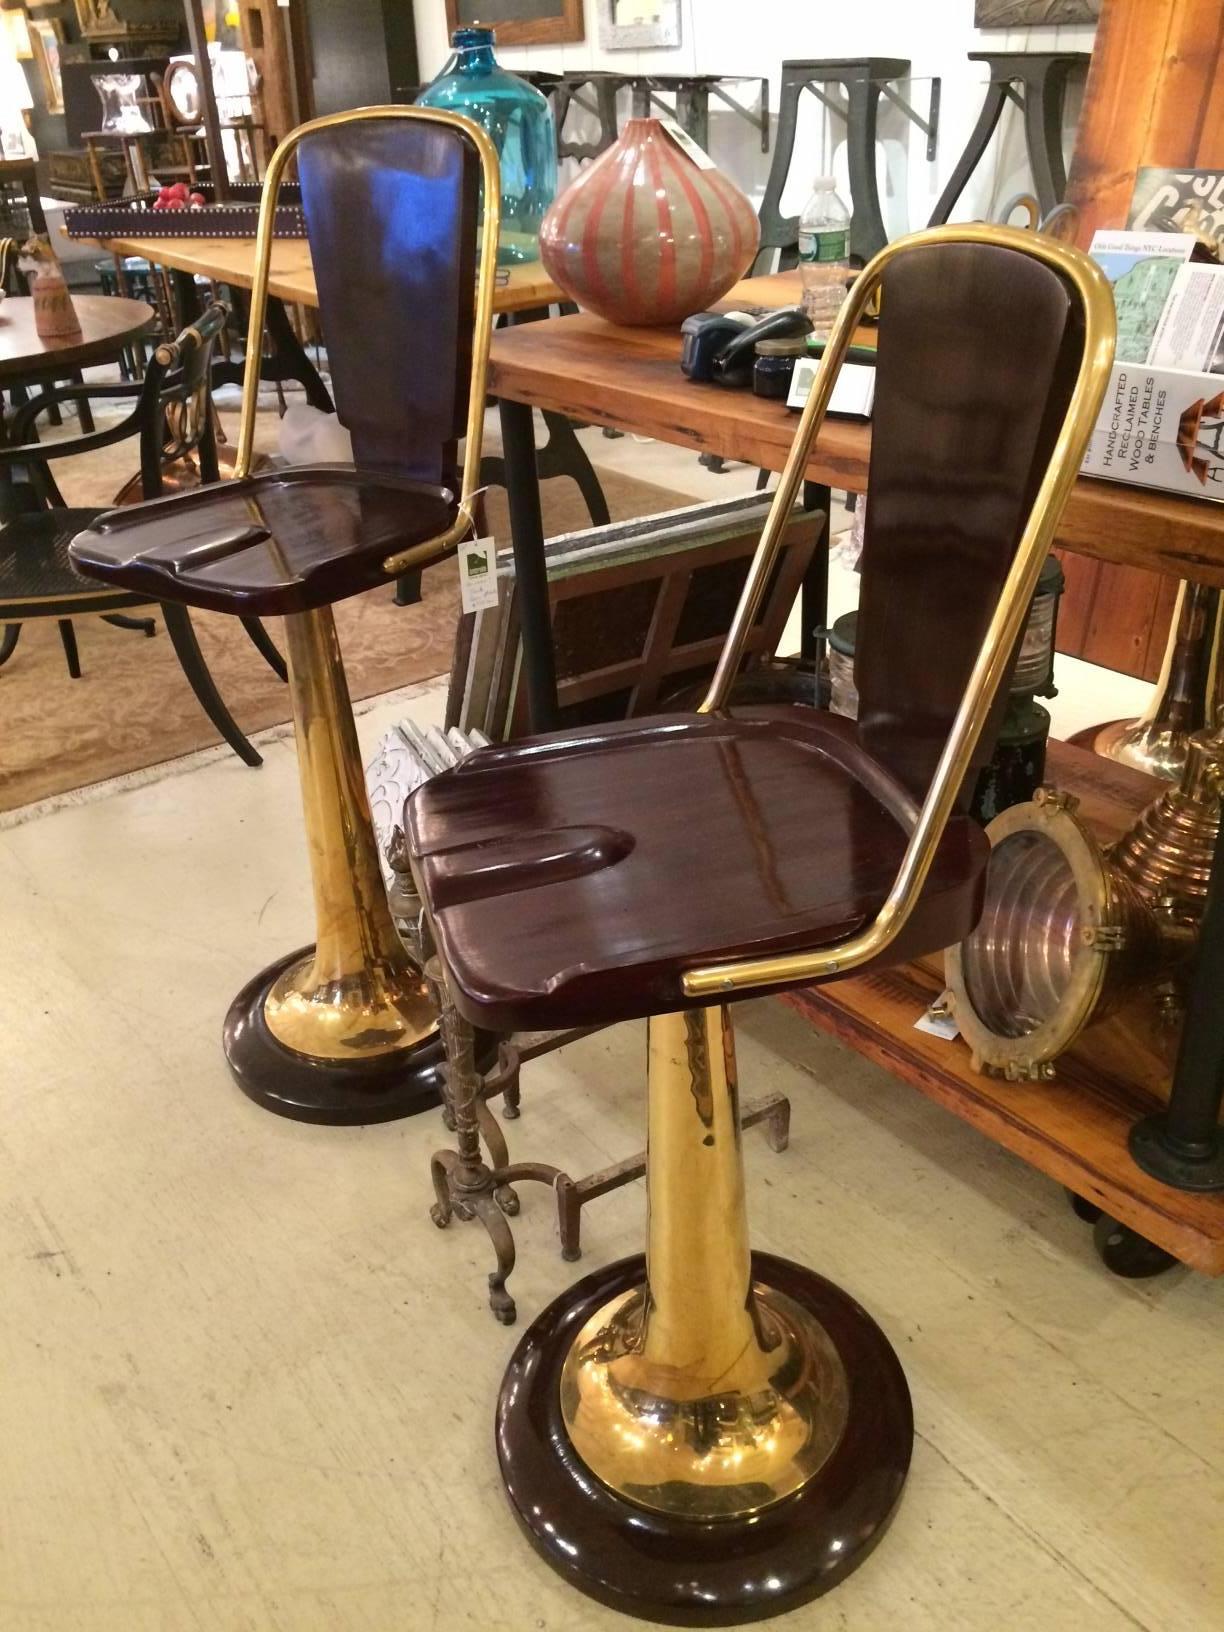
pixel 281 542
pixel 571 879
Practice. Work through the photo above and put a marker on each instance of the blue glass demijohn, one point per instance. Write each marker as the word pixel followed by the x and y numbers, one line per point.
pixel 520 122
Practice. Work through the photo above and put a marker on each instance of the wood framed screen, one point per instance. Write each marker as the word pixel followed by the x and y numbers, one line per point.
pixel 520 22
pixel 640 611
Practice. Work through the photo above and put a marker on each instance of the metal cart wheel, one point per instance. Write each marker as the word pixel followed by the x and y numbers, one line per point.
pixel 1082 1207
pixel 1125 1252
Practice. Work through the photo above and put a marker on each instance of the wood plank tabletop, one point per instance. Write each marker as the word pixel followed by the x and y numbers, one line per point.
pixel 232 260
pixel 630 379
pixel 1074 1128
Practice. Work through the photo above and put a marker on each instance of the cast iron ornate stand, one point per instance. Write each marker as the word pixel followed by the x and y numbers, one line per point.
pixel 467 1186
pixel 850 87
pixel 1037 83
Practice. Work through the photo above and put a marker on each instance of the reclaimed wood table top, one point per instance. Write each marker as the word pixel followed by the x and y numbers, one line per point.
pixel 107 325
pixel 232 260
pixel 630 379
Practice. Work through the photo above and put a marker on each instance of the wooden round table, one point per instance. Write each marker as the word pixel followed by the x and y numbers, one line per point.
pixel 107 326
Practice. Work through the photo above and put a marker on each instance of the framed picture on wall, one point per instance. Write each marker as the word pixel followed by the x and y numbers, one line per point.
pixel 1034 13
pixel 46 36
pixel 520 22
pixel 634 25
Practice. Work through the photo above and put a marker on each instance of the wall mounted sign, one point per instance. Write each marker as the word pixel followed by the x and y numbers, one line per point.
pixel 633 25
pixel 520 22
pixel 1034 13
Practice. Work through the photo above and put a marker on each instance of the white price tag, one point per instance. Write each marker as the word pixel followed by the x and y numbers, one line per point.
pixel 802 381
pixel 852 394
pixel 686 144
pixel 478 574
pixel 938 1020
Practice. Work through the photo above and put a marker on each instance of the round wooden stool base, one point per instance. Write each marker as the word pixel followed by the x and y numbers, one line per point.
pixel 726 1571
pixel 381 1088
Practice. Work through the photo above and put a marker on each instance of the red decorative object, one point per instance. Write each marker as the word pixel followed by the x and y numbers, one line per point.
pixel 646 235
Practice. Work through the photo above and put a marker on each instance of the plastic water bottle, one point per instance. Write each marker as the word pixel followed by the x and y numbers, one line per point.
pixel 824 252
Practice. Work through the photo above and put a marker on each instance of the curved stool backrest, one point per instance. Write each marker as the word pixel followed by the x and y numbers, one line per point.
pixel 978 359
pixel 995 351
pixel 391 197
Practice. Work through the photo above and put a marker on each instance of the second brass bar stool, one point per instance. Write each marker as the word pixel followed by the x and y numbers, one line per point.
pixel 343 1031
pixel 706 1436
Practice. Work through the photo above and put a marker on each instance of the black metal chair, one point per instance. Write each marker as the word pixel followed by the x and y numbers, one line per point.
pixel 173 420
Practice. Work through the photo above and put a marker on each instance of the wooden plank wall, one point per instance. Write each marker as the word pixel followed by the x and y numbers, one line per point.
pixel 1155 96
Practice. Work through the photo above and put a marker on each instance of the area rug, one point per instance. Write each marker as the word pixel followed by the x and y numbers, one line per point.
pixel 133 707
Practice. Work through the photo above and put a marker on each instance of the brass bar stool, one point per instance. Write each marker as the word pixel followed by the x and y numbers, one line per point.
pixel 706 1436
pixel 343 1031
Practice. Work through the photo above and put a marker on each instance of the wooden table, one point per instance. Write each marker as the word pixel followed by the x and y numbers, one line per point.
pixel 232 261
pixel 1075 1130
pixel 107 326
pixel 630 379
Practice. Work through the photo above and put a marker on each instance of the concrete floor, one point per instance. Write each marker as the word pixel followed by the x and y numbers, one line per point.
pixel 248 1387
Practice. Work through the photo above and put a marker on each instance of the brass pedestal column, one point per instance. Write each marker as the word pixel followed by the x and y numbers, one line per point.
pixel 342 1031
pixel 711 1436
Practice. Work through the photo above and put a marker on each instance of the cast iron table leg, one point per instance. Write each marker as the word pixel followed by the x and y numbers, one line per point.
pixel 993 104
pixel 814 591
pixel 531 573
pixel 288 360
pixel 1183 1144
pixel 562 454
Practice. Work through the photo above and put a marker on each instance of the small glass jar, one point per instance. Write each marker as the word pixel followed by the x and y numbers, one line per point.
pixel 520 122
pixel 775 366
pixel 843 693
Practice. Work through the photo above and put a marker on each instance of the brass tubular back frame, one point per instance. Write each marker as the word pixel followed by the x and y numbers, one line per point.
pixel 431 549
pixel 1100 328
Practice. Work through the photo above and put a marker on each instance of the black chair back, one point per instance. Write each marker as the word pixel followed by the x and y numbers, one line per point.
pixel 175 406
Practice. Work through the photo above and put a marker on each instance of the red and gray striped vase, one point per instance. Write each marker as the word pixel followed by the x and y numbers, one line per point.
pixel 647 236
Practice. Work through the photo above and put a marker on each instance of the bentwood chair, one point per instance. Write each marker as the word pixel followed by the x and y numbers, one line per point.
pixel 172 423
pixel 706 1437
pixel 344 1030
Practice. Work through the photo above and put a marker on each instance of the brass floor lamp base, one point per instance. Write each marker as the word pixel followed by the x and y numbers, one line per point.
pixel 723 1571
pixel 311 1088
